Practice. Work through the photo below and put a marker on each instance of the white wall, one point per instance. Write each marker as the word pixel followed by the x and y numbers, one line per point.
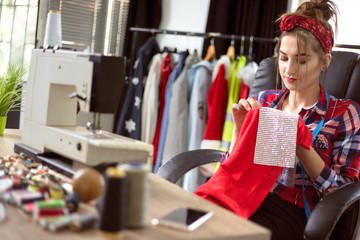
pixel 348 9
pixel 347 32
pixel 183 15
pixel 293 4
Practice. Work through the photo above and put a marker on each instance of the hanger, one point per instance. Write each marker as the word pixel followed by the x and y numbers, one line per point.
pixel 231 50
pixel 242 45
pixel 250 55
pixel 169 50
pixel 210 54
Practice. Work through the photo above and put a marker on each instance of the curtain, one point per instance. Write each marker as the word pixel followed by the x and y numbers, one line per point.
pixel 245 17
pixel 142 13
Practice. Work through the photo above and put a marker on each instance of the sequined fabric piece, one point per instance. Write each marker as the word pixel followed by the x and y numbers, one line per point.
pixel 276 138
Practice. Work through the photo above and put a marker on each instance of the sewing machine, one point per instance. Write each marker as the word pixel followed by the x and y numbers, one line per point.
pixel 59 84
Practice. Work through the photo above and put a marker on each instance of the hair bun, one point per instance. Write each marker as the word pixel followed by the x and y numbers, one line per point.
pixel 321 10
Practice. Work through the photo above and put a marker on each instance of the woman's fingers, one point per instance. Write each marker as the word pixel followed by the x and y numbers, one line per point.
pixel 244 104
pixel 239 111
pixel 254 103
pixel 235 107
pixel 248 103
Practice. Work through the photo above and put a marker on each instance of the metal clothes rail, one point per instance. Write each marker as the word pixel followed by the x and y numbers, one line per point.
pixel 211 35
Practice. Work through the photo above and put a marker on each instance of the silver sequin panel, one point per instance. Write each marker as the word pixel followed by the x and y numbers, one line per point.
pixel 276 138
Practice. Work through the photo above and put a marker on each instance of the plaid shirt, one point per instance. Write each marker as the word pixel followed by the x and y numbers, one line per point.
pixel 337 143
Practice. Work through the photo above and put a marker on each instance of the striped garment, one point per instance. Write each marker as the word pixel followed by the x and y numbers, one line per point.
pixel 337 143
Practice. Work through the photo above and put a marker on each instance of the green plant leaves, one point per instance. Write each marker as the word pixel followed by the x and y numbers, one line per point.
pixel 11 89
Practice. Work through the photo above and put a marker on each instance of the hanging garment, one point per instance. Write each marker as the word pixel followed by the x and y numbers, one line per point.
pixel 240 185
pixel 197 104
pixel 165 118
pixel 166 68
pixel 234 91
pixel 176 135
pixel 217 99
pixel 199 77
pixel 247 74
pixel 129 123
pixel 150 103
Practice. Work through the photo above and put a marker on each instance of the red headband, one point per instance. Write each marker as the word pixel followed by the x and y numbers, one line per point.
pixel 319 30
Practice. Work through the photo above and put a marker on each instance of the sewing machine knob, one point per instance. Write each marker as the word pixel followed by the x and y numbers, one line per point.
pixel 78 146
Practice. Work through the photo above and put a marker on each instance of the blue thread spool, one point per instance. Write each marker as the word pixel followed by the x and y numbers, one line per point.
pixel 72 201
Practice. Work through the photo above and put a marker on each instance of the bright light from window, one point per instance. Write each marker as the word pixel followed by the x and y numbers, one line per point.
pixel 347 23
pixel 107 32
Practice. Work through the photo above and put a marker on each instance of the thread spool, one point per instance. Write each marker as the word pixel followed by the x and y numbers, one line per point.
pixel 57 224
pixel 137 182
pixel 53 32
pixel 82 222
pixel 112 205
pixel 72 201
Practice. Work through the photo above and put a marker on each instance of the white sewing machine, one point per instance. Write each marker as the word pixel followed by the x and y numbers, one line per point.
pixel 59 81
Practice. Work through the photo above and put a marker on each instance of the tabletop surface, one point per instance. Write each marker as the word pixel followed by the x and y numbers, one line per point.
pixel 164 197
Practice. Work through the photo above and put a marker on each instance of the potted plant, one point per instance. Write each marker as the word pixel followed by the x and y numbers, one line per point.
pixel 11 89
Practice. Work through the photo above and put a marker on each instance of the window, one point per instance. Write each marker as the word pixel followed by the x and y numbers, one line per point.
pixel 18 20
pixel 347 36
pixel 97 25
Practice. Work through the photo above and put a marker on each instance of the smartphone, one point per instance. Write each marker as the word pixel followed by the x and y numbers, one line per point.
pixel 184 218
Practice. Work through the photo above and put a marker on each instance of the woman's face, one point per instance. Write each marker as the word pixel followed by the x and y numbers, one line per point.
pixel 299 68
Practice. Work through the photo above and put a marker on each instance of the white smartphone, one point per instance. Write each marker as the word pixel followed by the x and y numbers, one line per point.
pixel 184 218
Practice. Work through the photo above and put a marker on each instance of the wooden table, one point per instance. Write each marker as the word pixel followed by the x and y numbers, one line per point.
pixel 164 197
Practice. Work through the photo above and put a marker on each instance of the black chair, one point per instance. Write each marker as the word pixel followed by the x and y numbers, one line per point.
pixel 180 164
pixel 341 80
pixel 337 215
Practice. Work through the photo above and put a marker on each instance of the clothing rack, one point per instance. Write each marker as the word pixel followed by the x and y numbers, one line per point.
pixel 211 35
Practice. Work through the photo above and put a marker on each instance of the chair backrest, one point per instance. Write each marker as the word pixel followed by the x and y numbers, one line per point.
pixel 342 78
pixel 177 166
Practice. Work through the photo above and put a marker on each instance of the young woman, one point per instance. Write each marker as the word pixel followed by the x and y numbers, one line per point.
pixel 304 51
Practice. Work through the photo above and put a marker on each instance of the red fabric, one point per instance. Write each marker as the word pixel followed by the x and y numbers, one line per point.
pixel 165 73
pixel 342 161
pixel 319 30
pixel 244 92
pixel 217 98
pixel 240 185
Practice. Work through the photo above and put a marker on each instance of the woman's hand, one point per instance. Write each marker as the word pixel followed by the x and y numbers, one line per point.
pixel 239 111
